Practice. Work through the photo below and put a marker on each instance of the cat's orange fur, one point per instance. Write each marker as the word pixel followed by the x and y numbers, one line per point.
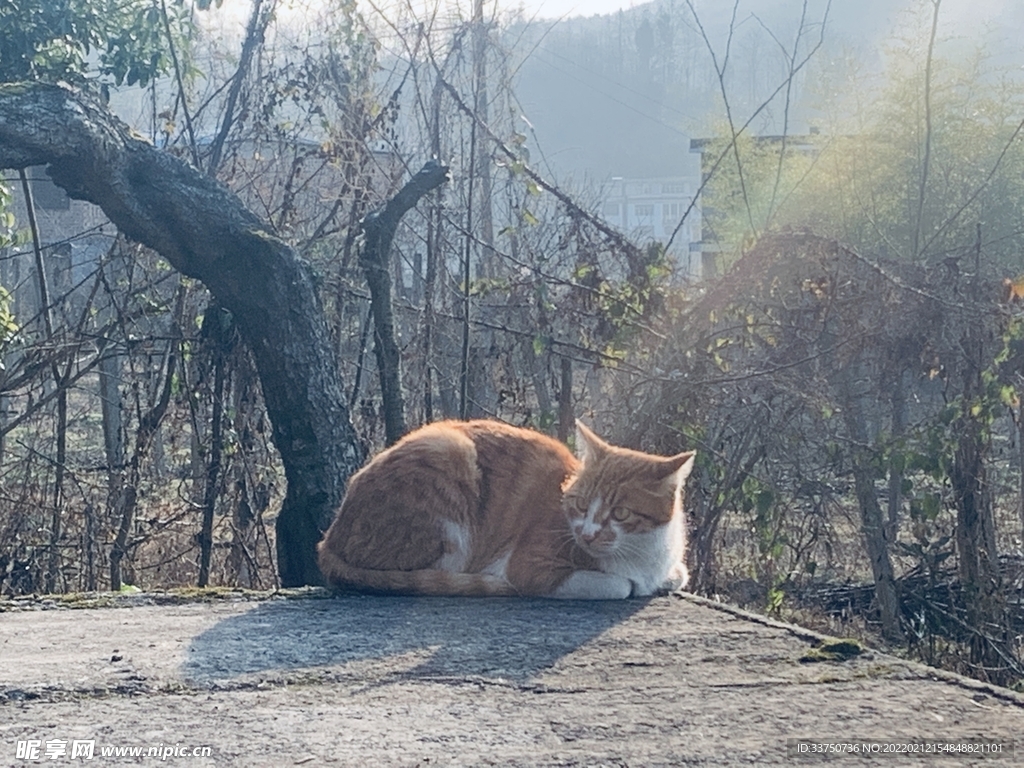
pixel 484 508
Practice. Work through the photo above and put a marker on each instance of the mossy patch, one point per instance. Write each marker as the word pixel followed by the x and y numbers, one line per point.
pixel 833 650
pixel 15 89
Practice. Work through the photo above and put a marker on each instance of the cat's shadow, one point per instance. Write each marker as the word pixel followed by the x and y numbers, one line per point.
pixel 383 637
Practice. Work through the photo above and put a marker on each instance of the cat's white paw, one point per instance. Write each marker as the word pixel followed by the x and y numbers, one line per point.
pixel 678 578
pixel 594 585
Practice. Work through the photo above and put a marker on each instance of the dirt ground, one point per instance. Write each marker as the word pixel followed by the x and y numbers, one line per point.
pixel 303 679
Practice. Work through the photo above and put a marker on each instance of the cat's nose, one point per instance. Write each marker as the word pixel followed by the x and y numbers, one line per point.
pixel 588 538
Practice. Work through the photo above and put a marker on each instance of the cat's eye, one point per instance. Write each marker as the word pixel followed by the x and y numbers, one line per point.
pixel 579 505
pixel 621 514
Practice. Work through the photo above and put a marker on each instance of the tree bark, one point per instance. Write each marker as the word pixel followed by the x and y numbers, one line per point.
pixel 899 428
pixel 379 228
pixel 873 524
pixel 110 406
pixel 1020 467
pixel 874 529
pixel 978 556
pixel 210 492
pixel 205 232
pixel 566 417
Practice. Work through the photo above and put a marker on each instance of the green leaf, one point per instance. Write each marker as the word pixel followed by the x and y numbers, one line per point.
pixel 1008 396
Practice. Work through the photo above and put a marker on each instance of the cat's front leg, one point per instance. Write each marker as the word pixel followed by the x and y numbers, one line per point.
pixel 594 585
pixel 677 578
pixel 650 584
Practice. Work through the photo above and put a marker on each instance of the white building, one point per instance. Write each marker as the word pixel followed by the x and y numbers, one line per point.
pixel 74 236
pixel 651 209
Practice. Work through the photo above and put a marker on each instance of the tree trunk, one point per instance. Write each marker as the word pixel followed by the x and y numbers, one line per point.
pixel 89 548
pixel 487 266
pixel 700 550
pixel 53 574
pixel 254 32
pixel 204 231
pixel 899 428
pixel 978 558
pixel 210 492
pixel 127 487
pixel 537 367
pixel 873 525
pixel 434 218
pixel 566 416
pixel 379 228
pixel 428 319
pixel 467 281
pixel 57 516
pixel 1020 466
pixel 357 378
pixel 110 405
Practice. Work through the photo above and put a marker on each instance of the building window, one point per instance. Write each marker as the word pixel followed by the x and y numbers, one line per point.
pixel 708 265
pixel 644 211
pixel 673 189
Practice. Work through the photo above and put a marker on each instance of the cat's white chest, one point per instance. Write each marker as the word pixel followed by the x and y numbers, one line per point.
pixel 650 560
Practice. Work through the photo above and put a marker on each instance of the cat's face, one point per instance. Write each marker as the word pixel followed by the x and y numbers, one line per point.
pixel 613 499
pixel 620 493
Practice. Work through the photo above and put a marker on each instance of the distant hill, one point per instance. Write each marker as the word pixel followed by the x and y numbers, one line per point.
pixel 621 94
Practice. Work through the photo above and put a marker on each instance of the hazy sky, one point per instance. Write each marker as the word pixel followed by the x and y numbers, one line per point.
pixel 955 12
pixel 545 9
pixel 958 16
pixel 558 8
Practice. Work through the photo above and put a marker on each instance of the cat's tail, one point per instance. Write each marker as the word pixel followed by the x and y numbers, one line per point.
pixel 430 582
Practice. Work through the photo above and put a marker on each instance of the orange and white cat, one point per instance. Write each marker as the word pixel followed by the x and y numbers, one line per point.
pixel 484 508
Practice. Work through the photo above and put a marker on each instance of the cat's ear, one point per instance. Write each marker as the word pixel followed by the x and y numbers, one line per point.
pixel 589 446
pixel 678 468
